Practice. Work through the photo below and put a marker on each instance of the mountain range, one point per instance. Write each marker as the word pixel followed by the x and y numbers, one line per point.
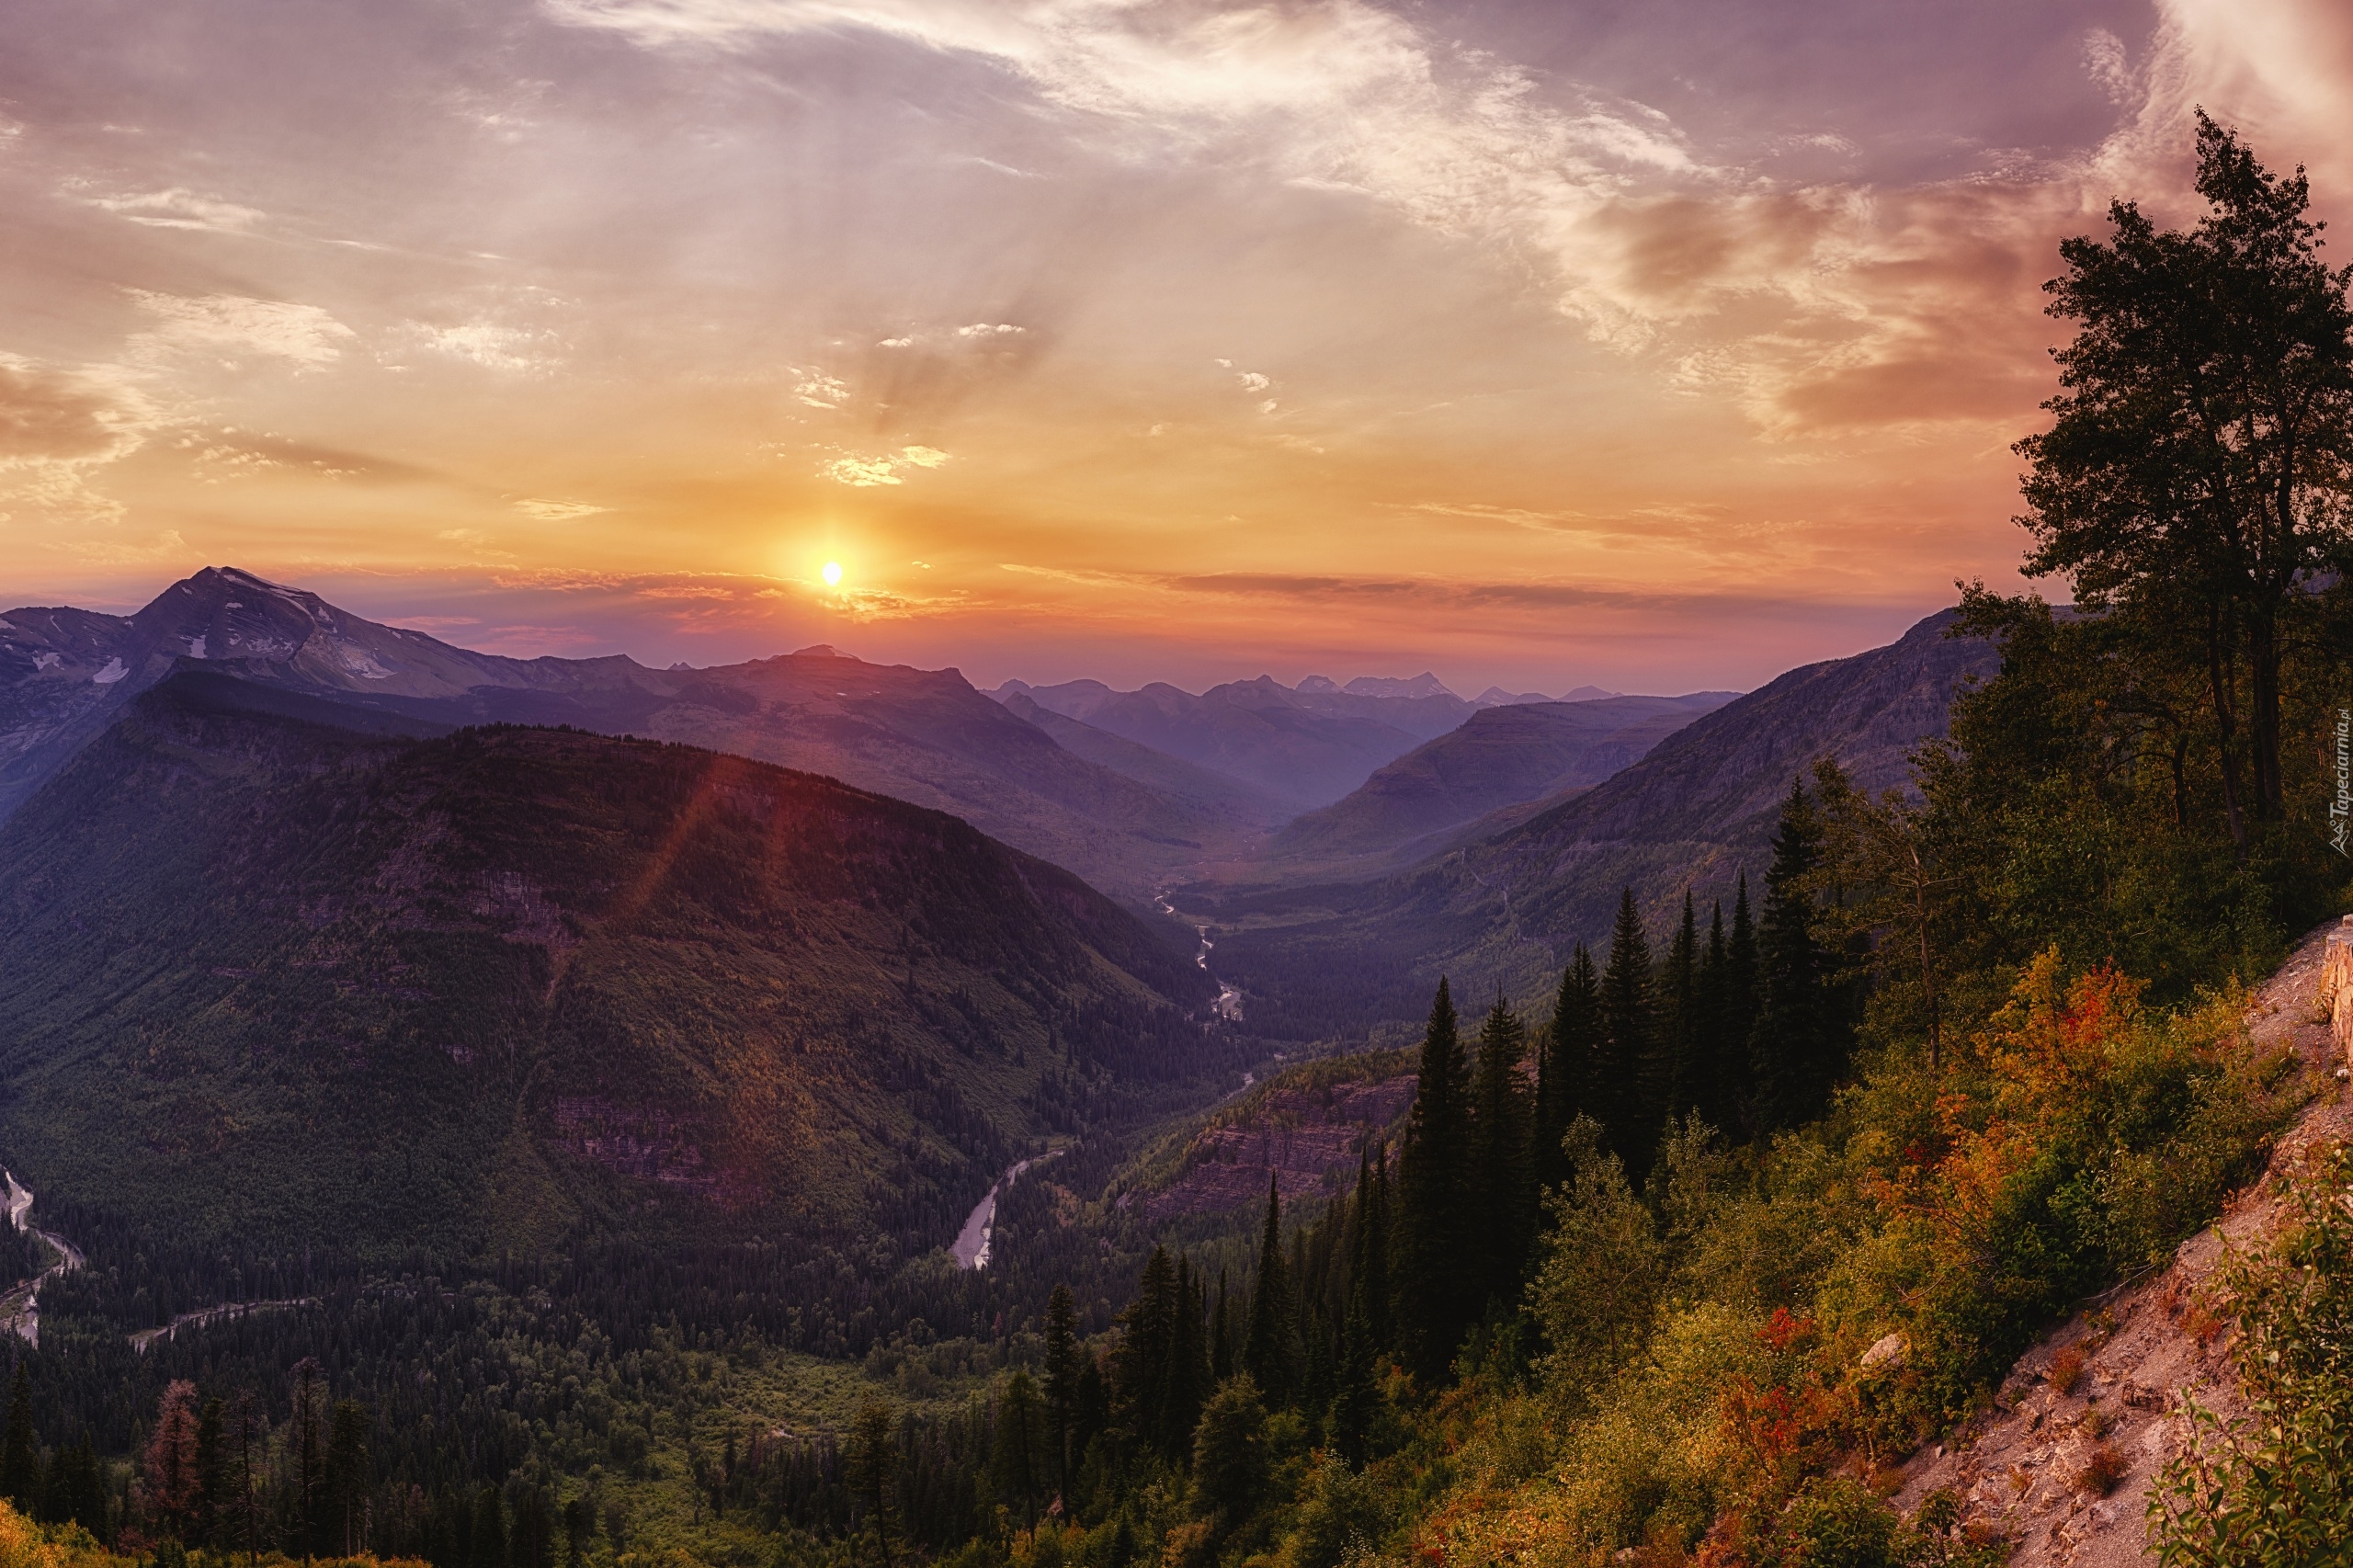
pixel 1301 746
pixel 1501 757
pixel 921 736
pixel 317 923
pixel 273 964
pixel 1504 909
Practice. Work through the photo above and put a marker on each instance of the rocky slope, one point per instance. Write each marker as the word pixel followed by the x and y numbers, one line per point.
pixel 270 964
pixel 2139 1350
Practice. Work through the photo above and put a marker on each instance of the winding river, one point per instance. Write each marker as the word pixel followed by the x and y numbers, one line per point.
pixel 970 1247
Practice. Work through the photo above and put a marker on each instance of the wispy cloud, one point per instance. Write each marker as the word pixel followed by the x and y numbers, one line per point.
pixel 864 473
pixel 179 208
pixel 234 328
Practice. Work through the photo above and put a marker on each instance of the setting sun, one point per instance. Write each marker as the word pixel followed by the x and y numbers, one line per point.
pixel 832 573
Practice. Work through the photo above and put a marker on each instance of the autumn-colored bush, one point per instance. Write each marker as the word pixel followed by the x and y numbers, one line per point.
pixel 2101 1469
pixel 2066 1367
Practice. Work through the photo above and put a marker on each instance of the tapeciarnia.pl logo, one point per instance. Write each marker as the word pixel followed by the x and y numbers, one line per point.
pixel 2340 809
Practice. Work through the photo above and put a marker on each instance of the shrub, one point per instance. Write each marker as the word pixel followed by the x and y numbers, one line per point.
pixel 2278 1492
pixel 2066 1367
pixel 2100 1471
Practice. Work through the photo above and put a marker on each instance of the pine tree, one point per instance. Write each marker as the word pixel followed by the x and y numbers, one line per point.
pixel 1501 1217
pixel 1433 1246
pixel 1370 1283
pixel 1062 1379
pixel 304 1442
pixel 1795 1050
pixel 173 1481
pixel 1230 1452
pixel 1628 1028
pixel 1711 1090
pixel 1013 1457
pixel 870 1464
pixel 1270 1354
pixel 1564 1072
pixel 1186 1383
pixel 210 1477
pixel 1356 1396
pixel 1739 1015
pixel 20 1459
pixel 1222 1331
pixel 487 1541
pixel 346 1476
pixel 1671 1075
pixel 1148 1326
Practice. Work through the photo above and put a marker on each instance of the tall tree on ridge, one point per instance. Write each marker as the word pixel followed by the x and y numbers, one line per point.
pixel 1270 1355
pixel 1565 1072
pixel 1061 1380
pixel 1739 1016
pixel 1673 1075
pixel 1629 1021
pixel 1432 1252
pixel 2193 479
pixel 1502 1214
pixel 1797 1050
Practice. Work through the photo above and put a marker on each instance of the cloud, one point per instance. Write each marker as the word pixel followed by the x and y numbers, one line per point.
pixel 863 472
pixel 2107 64
pixel 234 328
pixel 58 429
pixel 179 208
pixel 556 511
pixel 512 350
pixel 985 329
pixel 821 390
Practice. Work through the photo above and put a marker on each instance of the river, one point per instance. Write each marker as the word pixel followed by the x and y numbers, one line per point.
pixel 970 1247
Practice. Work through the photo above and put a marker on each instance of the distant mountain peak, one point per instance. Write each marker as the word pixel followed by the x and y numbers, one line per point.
pixel 820 650
pixel 1318 684
pixel 1423 684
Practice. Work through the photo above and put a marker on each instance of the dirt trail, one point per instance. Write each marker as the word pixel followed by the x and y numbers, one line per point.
pixel 145 1337
pixel 2013 1466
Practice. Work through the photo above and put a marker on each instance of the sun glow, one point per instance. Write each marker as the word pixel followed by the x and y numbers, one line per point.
pixel 832 573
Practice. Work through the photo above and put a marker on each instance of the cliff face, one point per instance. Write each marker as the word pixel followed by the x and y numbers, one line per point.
pixel 1307 1139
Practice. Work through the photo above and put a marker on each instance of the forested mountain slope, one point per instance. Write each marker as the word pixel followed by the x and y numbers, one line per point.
pixel 1500 757
pixel 921 736
pixel 261 972
pixel 1693 812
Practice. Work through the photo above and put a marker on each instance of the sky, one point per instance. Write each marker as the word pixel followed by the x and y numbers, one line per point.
pixel 1539 343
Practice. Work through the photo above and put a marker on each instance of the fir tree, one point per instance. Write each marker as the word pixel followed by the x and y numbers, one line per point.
pixel 1737 1020
pixel 1270 1354
pixel 486 1540
pixel 1628 1028
pixel 1186 1383
pixel 1062 1379
pixel 1370 1285
pixel 1355 1396
pixel 1014 1458
pixel 1147 1328
pixel 1672 1075
pixel 1221 1332
pixel 1433 1246
pixel 1796 1052
pixel 20 1459
pixel 870 1463
pixel 1229 1453
pixel 1501 1216
pixel 1565 1072
pixel 1710 1088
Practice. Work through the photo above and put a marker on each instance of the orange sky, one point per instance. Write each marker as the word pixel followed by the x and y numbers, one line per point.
pixel 1657 347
